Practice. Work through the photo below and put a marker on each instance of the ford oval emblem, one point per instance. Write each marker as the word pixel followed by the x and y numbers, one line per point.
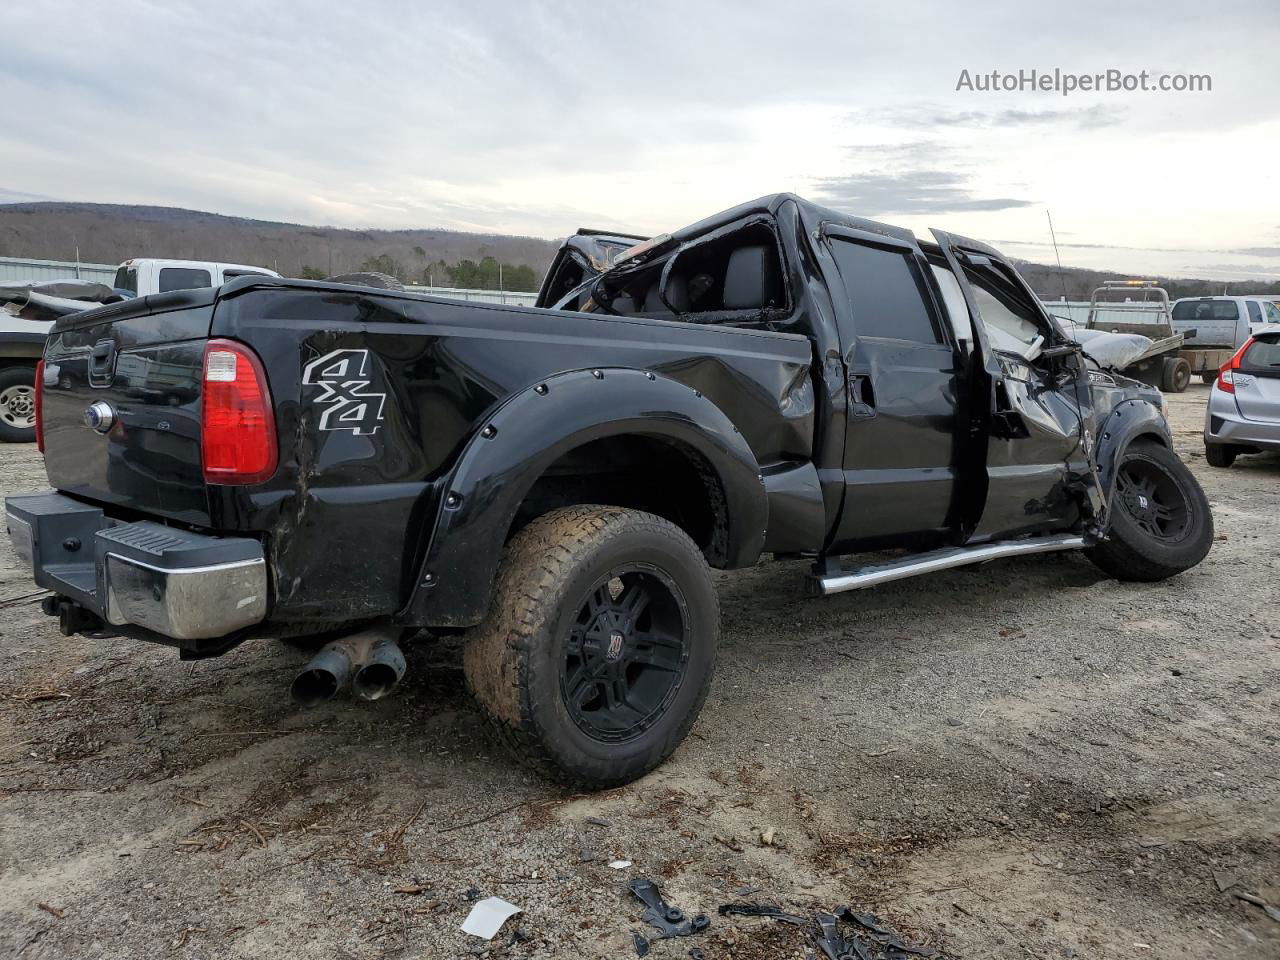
pixel 99 416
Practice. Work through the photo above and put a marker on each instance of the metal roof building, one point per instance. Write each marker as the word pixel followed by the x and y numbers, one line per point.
pixel 19 268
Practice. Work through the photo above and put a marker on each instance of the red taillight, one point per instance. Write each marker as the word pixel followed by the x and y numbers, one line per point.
pixel 238 432
pixel 1227 373
pixel 38 387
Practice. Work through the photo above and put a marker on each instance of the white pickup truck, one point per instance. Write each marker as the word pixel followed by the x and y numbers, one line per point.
pixel 1220 325
pixel 141 277
pixel 28 309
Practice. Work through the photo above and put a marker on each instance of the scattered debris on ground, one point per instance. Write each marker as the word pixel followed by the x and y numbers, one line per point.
pixel 1257 901
pixel 866 939
pixel 487 917
pixel 670 921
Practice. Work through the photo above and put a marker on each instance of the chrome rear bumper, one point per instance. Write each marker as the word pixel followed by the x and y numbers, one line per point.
pixel 183 586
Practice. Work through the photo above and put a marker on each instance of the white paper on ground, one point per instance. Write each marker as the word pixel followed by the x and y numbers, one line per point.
pixel 487 917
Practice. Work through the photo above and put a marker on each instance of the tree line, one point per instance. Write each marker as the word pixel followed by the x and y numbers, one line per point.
pixel 1049 283
pixel 488 273
pixel 110 233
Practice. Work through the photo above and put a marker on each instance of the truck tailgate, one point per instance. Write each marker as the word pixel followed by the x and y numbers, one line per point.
pixel 136 369
pixel 1208 333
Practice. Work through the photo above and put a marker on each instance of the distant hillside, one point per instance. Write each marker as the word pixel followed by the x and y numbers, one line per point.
pixel 109 233
pixel 1048 283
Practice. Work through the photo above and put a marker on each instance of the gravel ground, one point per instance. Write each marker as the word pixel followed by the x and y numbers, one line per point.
pixel 1023 760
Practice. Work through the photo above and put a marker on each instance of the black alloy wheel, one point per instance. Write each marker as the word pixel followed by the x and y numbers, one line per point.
pixel 1154 500
pixel 626 654
pixel 599 646
pixel 1160 520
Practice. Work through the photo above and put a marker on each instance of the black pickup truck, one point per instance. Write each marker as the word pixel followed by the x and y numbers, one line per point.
pixel 326 463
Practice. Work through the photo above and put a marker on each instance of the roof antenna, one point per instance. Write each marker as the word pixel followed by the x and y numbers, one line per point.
pixel 1061 274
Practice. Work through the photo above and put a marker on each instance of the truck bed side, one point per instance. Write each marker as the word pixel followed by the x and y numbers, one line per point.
pixel 375 396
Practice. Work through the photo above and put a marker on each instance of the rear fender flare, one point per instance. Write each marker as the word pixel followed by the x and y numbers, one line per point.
pixel 1128 421
pixel 516 444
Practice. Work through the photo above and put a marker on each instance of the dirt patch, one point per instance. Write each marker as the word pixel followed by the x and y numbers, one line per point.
pixel 1023 760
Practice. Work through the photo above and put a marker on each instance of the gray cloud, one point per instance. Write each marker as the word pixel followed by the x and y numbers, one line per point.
pixel 1257 251
pixel 916 191
pixel 918 177
pixel 1107 246
pixel 1237 269
pixel 931 116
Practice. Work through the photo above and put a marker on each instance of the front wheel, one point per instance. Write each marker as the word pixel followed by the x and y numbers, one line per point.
pixel 1219 454
pixel 18 404
pixel 599 646
pixel 1160 519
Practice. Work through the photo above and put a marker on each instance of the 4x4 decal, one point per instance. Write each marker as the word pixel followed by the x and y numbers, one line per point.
pixel 347 401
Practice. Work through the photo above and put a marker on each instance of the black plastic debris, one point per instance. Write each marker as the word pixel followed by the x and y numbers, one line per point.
pixel 641 943
pixel 670 921
pixel 826 935
pixel 843 935
pixel 894 948
pixel 762 910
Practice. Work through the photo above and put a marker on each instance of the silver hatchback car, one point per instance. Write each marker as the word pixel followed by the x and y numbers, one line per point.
pixel 1244 404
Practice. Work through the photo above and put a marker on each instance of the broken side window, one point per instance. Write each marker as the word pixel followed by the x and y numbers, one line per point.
pixel 1013 324
pixel 731 277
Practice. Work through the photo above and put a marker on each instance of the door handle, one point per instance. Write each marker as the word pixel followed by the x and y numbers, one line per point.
pixel 862 398
pixel 1006 422
pixel 102 362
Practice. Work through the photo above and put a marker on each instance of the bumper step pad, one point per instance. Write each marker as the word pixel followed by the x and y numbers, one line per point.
pixel 182 585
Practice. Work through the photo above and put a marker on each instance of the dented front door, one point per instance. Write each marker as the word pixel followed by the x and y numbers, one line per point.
pixel 1038 417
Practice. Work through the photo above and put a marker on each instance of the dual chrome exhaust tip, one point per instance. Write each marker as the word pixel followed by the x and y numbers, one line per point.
pixel 370 662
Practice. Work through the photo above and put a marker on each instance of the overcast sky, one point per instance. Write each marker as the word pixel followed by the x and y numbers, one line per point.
pixel 539 118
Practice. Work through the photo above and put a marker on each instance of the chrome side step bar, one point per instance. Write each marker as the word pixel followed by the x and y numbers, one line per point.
pixel 857 578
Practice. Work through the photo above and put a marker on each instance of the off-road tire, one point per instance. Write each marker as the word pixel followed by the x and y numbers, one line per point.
pixel 513 660
pixel 1128 552
pixel 17 385
pixel 1220 454
pixel 1176 375
pixel 368 278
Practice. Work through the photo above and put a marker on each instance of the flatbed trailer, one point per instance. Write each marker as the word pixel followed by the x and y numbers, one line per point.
pixel 1166 364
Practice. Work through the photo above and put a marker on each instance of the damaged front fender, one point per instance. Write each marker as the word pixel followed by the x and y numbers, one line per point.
pixel 1131 418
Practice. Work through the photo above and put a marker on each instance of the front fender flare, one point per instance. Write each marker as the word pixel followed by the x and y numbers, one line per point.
pixel 530 431
pixel 1127 421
